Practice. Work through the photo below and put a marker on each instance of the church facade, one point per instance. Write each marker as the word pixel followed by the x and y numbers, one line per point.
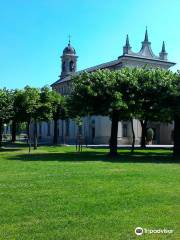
pixel 96 129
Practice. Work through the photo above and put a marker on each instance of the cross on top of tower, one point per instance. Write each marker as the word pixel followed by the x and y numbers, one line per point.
pixel 69 37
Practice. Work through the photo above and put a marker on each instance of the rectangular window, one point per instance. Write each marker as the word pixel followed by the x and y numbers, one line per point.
pixel 154 136
pixel 124 130
pixel 80 130
pixel 67 127
pixel 40 129
pixel 48 128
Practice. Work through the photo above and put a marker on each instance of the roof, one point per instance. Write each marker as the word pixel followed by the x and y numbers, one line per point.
pixel 69 49
pixel 145 54
pixel 121 59
pixel 91 69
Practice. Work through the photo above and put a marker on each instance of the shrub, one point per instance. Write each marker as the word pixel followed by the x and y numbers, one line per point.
pixel 149 134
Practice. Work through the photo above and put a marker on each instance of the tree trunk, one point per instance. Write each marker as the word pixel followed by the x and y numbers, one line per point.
pixel 62 137
pixel 114 132
pixel 1 132
pixel 176 149
pixel 28 135
pixel 28 131
pixel 13 131
pixel 133 133
pixel 143 134
pixel 55 139
pixel 35 134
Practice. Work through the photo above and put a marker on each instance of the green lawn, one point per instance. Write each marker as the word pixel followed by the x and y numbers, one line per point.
pixel 56 193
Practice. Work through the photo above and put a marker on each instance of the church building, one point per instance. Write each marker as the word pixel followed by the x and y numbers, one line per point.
pixel 96 129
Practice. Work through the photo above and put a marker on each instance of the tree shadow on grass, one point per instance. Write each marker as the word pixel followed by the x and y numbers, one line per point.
pixel 123 157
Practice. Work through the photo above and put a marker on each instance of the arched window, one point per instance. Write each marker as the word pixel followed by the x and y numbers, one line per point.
pixel 71 66
pixel 64 67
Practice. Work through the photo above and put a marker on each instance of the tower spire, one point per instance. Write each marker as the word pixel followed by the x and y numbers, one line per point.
pixel 163 48
pixel 163 54
pixel 146 47
pixel 146 36
pixel 127 41
pixel 127 47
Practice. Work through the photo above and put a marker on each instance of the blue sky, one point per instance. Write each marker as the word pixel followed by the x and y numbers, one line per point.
pixel 33 34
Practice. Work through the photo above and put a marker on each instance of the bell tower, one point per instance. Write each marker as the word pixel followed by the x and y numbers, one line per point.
pixel 69 60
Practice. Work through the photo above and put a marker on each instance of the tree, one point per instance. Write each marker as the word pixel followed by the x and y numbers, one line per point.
pixel 6 109
pixel 153 86
pixel 58 107
pixel 18 111
pixel 150 135
pixel 37 108
pixel 171 105
pixel 32 105
pixel 106 93
pixel 43 109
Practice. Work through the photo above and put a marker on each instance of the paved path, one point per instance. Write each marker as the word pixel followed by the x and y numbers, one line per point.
pixel 126 146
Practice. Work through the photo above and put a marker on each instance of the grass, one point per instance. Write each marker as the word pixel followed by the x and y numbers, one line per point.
pixel 56 193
